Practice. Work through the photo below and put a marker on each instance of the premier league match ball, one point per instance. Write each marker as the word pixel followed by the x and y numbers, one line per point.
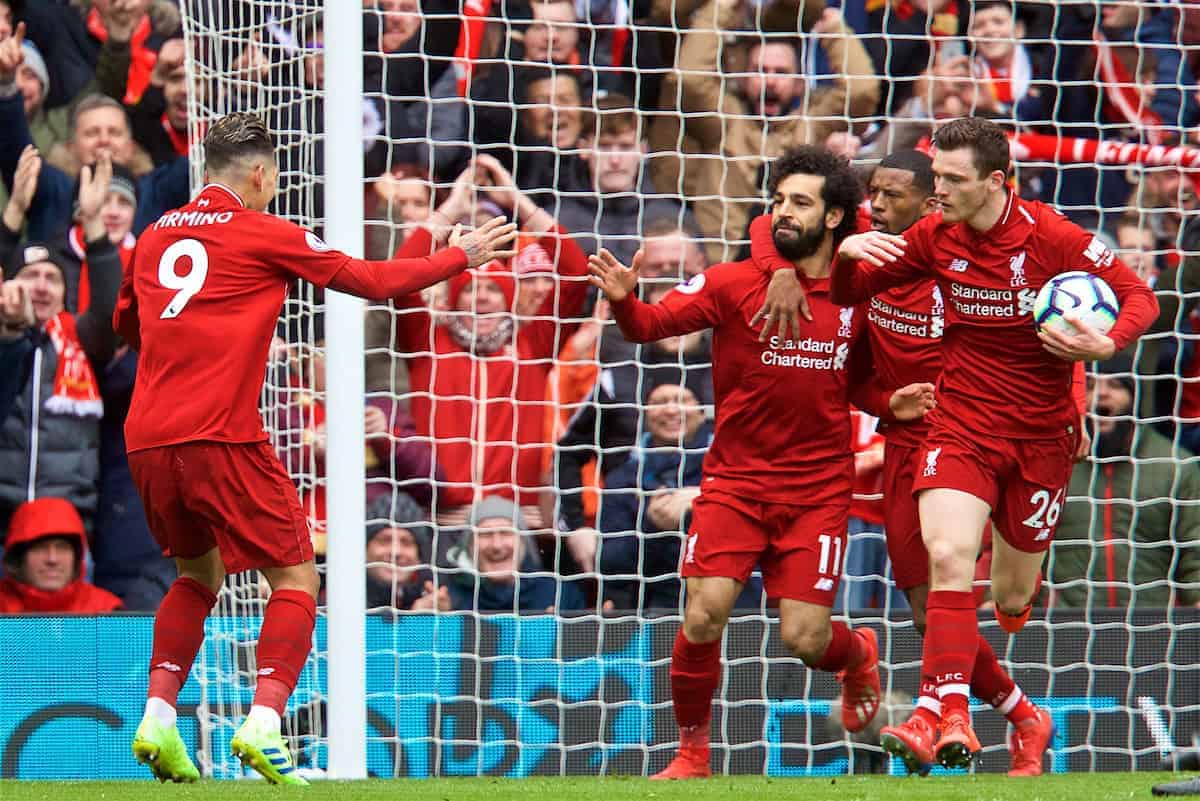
pixel 1079 294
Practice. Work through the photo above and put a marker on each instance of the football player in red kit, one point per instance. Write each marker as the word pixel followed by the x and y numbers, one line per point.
pixel 199 301
pixel 1004 434
pixel 905 326
pixel 779 475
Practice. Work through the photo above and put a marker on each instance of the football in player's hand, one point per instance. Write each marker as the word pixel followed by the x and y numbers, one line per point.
pixel 1079 295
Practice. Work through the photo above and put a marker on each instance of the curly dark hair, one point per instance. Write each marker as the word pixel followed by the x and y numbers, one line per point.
pixel 841 190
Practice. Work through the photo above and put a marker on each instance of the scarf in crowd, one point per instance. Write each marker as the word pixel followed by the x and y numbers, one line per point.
pixel 943 24
pixel 179 139
pixel 75 389
pixel 141 58
pixel 78 246
pixel 1009 83
pixel 1122 92
pixel 465 337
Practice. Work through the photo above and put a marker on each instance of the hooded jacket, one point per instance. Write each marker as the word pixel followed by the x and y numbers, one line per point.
pixel 485 414
pixel 35 520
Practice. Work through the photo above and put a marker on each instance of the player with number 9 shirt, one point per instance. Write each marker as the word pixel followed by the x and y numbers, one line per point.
pixel 199 302
pixel 1005 430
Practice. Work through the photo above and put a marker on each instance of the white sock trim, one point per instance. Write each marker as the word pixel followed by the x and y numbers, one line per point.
pixel 930 703
pixel 954 689
pixel 160 710
pixel 265 716
pixel 1010 703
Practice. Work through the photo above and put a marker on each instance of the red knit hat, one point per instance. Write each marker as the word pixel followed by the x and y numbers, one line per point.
pixel 494 270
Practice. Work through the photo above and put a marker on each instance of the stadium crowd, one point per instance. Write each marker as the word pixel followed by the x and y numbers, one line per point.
pixel 521 455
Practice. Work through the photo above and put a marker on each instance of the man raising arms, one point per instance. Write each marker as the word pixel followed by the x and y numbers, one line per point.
pixel 778 477
pixel 905 326
pixel 216 496
pixel 1004 435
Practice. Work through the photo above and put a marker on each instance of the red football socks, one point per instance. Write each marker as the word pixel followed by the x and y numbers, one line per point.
pixel 951 646
pixel 178 634
pixel 695 673
pixel 929 708
pixel 846 650
pixel 283 646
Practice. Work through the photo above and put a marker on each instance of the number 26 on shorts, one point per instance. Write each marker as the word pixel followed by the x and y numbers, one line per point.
pixel 190 282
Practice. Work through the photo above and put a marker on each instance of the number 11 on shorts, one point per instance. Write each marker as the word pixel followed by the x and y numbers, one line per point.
pixel 834 544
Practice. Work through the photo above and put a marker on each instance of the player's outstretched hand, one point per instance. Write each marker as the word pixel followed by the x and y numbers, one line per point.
pixel 874 247
pixel 783 307
pixel 617 280
pixel 488 241
pixel 1089 345
pixel 912 402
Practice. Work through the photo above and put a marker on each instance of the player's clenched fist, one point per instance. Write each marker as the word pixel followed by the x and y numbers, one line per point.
pixel 912 402
pixel 487 242
pixel 617 280
pixel 874 247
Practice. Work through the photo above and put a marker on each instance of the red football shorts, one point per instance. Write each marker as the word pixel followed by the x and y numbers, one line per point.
pixel 1023 480
pixel 901 521
pixel 800 549
pixel 233 497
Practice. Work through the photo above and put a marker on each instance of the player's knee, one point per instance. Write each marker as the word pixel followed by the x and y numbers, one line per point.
pixel 1011 599
pixel 302 578
pixel 950 563
pixel 807 642
pixel 702 623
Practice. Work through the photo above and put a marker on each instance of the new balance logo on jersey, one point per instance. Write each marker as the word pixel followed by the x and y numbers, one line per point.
pixel 1042 535
pixel 846 315
pixel 959 266
pixel 931 458
pixel 823 585
pixel 690 554
pixel 1017 265
pixel 839 358
pixel 169 666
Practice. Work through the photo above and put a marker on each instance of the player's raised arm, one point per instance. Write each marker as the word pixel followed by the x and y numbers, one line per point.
pixel 870 263
pixel 691 307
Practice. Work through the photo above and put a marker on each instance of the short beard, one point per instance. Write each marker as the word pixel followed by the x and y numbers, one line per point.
pixel 806 243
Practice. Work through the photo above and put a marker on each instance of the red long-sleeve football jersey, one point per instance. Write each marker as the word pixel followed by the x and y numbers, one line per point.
pixel 782 406
pixel 200 300
pixel 997 379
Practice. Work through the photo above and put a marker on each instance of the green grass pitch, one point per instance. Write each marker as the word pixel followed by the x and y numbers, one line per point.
pixel 1066 787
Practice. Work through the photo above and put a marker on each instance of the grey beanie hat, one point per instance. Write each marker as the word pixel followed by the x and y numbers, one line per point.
pixel 400 511
pixel 35 62
pixel 495 506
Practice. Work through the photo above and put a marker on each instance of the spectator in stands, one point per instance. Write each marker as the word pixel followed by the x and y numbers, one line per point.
pixel 1130 530
pixel 396 458
pixel 496 566
pixel 1127 79
pixel 411 89
pixel 606 429
pixel 1013 79
pixel 72 37
pixel 1136 246
pixel 534 271
pixel 730 134
pixel 902 39
pixel 550 124
pixel 399 556
pixel 593 38
pixel 647 501
pixel 49 443
pixel 44 559
pixel 16 324
pixel 479 380
pixel 607 211
pixel 160 118
pixel 99 123
pixel 402 198
pixel 671 250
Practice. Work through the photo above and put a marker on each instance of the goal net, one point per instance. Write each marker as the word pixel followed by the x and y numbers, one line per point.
pixel 651 124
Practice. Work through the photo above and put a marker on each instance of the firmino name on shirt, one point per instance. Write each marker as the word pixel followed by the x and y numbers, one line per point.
pixel 188 219
pixel 991 302
pixel 836 360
